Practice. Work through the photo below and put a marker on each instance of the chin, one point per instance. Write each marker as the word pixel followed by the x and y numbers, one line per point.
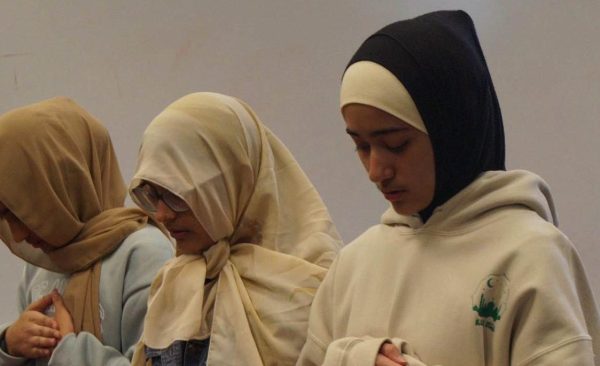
pixel 44 247
pixel 186 249
pixel 404 209
pixel 408 208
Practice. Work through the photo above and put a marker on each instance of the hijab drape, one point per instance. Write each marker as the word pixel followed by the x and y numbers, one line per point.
pixel 275 238
pixel 59 175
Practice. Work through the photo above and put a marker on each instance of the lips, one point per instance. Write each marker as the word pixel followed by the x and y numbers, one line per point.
pixel 393 195
pixel 178 234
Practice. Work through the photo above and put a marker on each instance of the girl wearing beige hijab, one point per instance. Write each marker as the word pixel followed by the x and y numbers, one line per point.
pixel 254 239
pixel 61 210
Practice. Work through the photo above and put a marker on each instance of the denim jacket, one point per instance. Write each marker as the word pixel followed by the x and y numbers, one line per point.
pixel 180 353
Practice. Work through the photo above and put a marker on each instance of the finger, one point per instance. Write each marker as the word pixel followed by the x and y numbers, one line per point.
pixel 42 320
pixel 46 332
pixel 57 300
pixel 41 304
pixel 393 353
pixel 43 342
pixel 37 352
pixel 382 360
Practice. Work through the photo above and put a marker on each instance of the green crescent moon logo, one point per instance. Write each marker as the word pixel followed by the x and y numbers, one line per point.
pixel 489 283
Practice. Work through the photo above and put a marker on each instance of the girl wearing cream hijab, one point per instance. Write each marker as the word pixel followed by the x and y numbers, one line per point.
pixel 61 210
pixel 254 239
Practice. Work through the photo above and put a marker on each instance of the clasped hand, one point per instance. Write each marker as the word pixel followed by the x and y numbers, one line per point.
pixel 389 355
pixel 34 334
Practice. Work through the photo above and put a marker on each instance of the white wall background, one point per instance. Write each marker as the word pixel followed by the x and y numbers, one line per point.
pixel 125 61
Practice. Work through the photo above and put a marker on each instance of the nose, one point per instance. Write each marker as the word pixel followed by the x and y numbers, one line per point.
pixel 163 212
pixel 379 167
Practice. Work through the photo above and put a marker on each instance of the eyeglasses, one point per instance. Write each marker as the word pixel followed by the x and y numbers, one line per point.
pixel 147 196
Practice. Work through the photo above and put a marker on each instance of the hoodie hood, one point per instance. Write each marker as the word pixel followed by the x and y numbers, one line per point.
pixel 488 194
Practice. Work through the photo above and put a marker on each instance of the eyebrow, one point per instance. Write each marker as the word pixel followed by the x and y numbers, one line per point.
pixel 380 132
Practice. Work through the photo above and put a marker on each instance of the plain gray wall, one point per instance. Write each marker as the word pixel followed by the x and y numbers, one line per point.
pixel 125 61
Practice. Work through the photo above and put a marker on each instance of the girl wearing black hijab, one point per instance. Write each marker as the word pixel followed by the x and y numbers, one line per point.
pixel 467 267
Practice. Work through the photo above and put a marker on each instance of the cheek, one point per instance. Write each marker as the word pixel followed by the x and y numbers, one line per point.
pixel 364 160
pixel 201 238
pixel 428 177
pixel 422 178
pixel 429 186
pixel 204 240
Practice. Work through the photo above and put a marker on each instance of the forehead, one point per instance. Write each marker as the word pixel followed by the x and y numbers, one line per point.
pixel 366 120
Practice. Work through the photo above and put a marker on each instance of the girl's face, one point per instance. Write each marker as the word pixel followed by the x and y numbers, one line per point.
pixel 398 157
pixel 20 232
pixel 190 235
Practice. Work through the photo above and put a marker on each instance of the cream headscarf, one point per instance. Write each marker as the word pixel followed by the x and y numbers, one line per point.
pixel 59 175
pixel 367 82
pixel 275 238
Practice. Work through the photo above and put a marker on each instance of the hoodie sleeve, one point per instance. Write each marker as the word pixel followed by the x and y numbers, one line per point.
pixel 320 347
pixel 319 323
pixel 5 358
pixel 557 320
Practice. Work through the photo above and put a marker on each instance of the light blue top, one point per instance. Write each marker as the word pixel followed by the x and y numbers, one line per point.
pixel 125 280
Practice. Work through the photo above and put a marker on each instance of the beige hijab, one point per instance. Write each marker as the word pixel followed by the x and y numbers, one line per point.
pixel 275 238
pixel 59 175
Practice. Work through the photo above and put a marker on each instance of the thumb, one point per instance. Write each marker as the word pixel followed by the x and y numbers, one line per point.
pixel 57 300
pixel 60 308
pixel 41 304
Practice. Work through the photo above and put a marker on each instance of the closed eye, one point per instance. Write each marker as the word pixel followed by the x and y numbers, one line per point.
pixel 398 148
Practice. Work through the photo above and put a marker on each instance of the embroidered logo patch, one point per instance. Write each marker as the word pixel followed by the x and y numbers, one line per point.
pixel 489 300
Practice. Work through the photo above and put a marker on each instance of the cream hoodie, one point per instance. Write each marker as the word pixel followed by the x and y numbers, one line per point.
pixel 488 280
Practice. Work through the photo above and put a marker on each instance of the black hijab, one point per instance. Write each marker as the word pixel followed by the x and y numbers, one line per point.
pixel 437 57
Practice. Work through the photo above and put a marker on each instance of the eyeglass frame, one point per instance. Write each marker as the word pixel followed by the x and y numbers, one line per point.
pixel 142 196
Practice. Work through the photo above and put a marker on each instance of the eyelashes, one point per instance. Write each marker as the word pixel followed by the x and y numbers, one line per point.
pixel 396 149
pixel 399 148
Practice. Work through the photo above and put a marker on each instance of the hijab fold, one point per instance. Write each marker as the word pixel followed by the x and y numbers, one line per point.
pixel 275 239
pixel 59 175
